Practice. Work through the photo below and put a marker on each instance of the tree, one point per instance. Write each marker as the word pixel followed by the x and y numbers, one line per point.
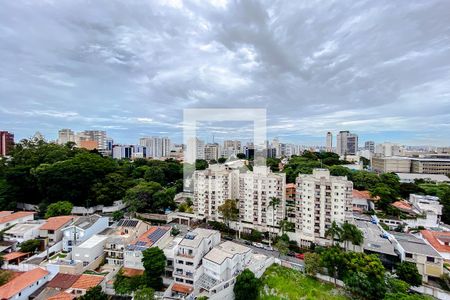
pixel 351 233
pixel 60 208
pixel 386 194
pixel 240 155
pixel 282 246
pixel 154 262
pixel 312 263
pixel 445 201
pixel 144 293
pixel 229 211
pixel 155 174
pixel 407 271
pixel 273 203
pixel 221 160
pixel 201 164
pixel 340 171
pixel 30 246
pixel 5 276
pixel 333 259
pixel 334 232
pixel 364 180
pixel 395 285
pixel 118 215
pixel 364 286
pixel 247 286
pixel 141 196
pixel 94 293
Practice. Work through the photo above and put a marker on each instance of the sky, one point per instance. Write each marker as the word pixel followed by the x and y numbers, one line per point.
pixel 380 69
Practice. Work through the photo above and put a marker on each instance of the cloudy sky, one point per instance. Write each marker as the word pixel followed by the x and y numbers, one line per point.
pixel 378 68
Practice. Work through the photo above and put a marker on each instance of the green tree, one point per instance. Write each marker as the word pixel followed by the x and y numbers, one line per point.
pixel 247 286
pixel 154 262
pixel 312 263
pixel 334 232
pixel 445 201
pixel 155 174
pixel 118 215
pixel 229 211
pixel 5 276
pixel 364 286
pixel 111 188
pixel 333 259
pixel 221 160
pixel 386 194
pixel 60 208
pixel 407 271
pixel 30 246
pixel 240 155
pixel 201 164
pixel 340 171
pixel 282 246
pixel 351 233
pixel 94 293
pixel 364 180
pixel 144 293
pixel 395 285
pixel 141 196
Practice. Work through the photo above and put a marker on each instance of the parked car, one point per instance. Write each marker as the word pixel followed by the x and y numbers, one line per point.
pixel 247 242
pixel 268 248
pixel 291 253
pixel 300 256
pixel 228 238
pixel 258 245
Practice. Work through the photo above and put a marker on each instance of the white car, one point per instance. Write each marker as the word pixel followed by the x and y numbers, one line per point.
pixel 258 245
pixel 269 248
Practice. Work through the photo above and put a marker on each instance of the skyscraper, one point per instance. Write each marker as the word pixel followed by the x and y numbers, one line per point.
pixel 6 142
pixel 212 151
pixel 65 135
pixel 98 136
pixel 370 146
pixel 346 143
pixel 329 141
pixel 157 147
pixel 195 149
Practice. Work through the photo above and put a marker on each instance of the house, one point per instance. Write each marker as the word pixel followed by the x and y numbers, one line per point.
pixel 60 283
pixel 429 206
pixel 154 237
pixel 188 259
pixel 23 232
pixel 52 229
pixel 84 283
pixel 413 249
pixel 22 286
pixel 439 240
pixel 362 201
pixel 8 218
pixel 82 229
pixel 90 250
pixel 126 231
pixel 14 258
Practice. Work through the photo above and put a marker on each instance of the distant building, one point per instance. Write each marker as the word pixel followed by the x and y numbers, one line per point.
pixel 212 151
pixel 370 146
pixel 411 177
pixel 388 149
pixel 98 136
pixel 329 142
pixel 346 143
pixel 321 199
pixel 195 149
pixel 8 218
pixel 65 135
pixel 129 151
pixel 157 147
pixel 402 164
pixel 6 142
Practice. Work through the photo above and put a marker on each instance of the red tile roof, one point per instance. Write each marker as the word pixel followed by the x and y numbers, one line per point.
pixel 14 216
pixel 14 255
pixel 55 223
pixel 63 281
pixel 437 239
pixel 5 213
pixel 402 205
pixel 181 288
pixel 130 272
pixel 19 283
pixel 85 282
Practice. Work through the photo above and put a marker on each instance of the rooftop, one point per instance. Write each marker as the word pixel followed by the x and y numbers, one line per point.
pixel 5 218
pixel 93 241
pixel 19 229
pixel 227 249
pixel 85 282
pixel 55 223
pixel 19 283
pixel 62 296
pixel 63 281
pixel 181 288
pixel 128 223
pixel 437 239
pixel 433 177
pixel 85 222
pixel 373 238
pixel 14 255
pixel 194 238
pixel 414 244
pixel 149 238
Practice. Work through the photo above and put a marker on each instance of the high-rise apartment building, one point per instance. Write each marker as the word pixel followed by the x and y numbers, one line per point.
pixel 212 151
pixel 321 199
pixel 157 147
pixel 346 143
pixel 98 136
pixel 256 190
pixel 212 187
pixel 65 135
pixel 329 141
pixel 388 149
pixel 370 146
pixel 232 144
pixel 6 142
pixel 129 151
pixel 195 149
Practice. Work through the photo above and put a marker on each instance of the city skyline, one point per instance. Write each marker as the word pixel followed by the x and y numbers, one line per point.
pixel 131 68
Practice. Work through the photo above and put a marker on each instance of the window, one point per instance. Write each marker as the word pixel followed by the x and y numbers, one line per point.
pixel 430 259
pixel 408 255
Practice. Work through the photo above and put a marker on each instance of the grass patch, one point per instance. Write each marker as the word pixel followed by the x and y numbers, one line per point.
pixel 283 283
pixel 58 255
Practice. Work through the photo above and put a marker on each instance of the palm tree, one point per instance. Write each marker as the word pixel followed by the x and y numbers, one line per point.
pixel 346 234
pixel 274 201
pixel 357 236
pixel 334 232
